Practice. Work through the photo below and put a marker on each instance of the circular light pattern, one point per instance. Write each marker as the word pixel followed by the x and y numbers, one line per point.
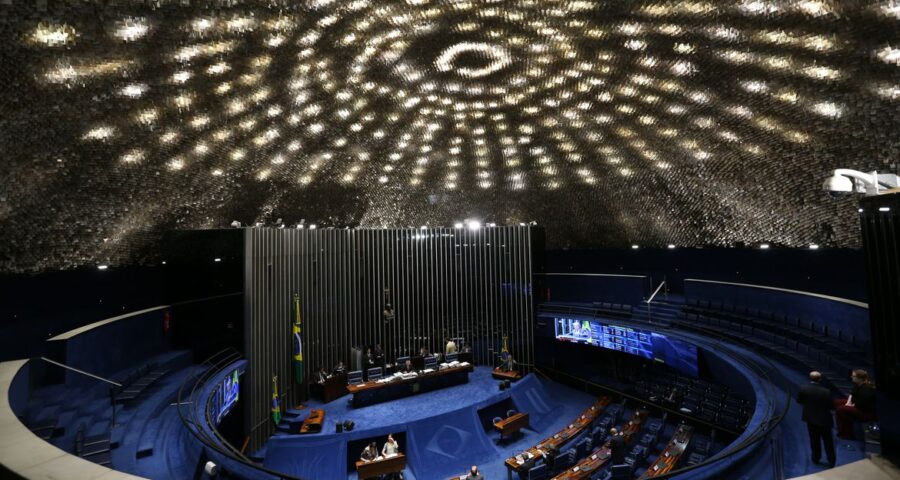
pixel 688 123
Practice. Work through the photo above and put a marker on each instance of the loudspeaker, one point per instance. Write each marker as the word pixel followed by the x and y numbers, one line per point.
pixel 348 425
pixel 339 427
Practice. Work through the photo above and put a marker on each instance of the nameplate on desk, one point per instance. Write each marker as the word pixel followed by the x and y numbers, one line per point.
pixel 594 456
pixel 361 385
pixel 576 469
pixel 571 425
pixel 556 436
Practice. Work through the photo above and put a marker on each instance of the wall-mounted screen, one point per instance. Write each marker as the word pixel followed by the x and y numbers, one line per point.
pixel 634 341
pixel 225 396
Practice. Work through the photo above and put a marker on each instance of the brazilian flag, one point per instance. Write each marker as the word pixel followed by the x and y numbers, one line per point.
pixel 298 342
pixel 504 351
pixel 276 405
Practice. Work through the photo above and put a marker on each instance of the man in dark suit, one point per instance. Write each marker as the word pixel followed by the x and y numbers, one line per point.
pixel 616 447
pixel 817 405
pixel 474 474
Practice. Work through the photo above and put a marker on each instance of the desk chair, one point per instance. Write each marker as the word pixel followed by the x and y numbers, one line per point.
pixel 538 472
pixel 355 377
pixel 431 362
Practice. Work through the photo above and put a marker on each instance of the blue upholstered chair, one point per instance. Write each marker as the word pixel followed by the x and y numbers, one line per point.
pixel 538 472
pixel 583 447
pixel 355 377
pixel 430 362
pixel 401 361
pixel 374 373
pixel 451 357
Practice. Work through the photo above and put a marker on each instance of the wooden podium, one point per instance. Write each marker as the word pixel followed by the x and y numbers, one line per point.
pixel 501 374
pixel 380 466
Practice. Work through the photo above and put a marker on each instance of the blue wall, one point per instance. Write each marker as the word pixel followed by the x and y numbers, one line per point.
pixel 592 288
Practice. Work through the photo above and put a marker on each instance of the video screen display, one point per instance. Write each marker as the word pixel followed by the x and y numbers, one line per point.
pixel 225 396
pixel 634 341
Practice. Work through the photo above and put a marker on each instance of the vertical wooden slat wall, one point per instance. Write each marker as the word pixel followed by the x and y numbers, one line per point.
pixel 473 284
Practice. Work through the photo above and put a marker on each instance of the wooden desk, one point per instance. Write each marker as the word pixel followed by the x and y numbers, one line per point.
pixel 368 393
pixel 512 424
pixel 501 374
pixel 314 422
pixel 561 437
pixel 668 459
pixel 598 458
pixel 381 466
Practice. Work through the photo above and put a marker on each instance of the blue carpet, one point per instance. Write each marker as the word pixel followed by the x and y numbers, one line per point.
pixel 443 431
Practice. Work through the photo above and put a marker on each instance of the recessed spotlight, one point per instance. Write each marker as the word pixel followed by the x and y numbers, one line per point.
pixel 884 209
pixel 163 262
pixel 474 225
pixel 217 259
pixel 670 246
pixel 813 246
pixel 102 267
pixel 764 246
pixel 635 247
pixel 457 225
pixel 312 227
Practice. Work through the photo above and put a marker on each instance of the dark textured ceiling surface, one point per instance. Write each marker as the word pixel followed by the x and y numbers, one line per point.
pixel 609 123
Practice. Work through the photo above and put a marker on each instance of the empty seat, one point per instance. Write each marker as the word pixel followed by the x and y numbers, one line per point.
pixel 538 472
pixel 354 377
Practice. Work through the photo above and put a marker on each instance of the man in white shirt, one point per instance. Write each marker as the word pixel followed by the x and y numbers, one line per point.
pixel 451 347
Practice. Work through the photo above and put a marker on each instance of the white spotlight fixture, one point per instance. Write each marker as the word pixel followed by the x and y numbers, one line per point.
pixel 312 227
pixel 492 225
pixel 163 262
pixel 670 246
pixel 884 209
pixel 235 224
pixel 102 267
pixel 813 246
pixel 474 224
pixel 457 225
pixel 423 227
pixel 844 181
pixel 764 246
pixel 635 247
pixel 217 259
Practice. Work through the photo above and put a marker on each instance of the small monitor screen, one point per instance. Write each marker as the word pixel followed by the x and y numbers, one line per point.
pixel 633 341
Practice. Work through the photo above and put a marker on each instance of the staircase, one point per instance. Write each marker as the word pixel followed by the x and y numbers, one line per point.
pixel 664 309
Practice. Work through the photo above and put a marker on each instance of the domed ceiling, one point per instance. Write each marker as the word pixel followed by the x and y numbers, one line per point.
pixel 608 123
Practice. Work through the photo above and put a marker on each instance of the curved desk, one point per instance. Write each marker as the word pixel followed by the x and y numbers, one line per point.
pixel 26 455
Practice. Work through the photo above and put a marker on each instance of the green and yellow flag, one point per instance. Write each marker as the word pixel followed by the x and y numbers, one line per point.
pixel 276 405
pixel 504 350
pixel 298 342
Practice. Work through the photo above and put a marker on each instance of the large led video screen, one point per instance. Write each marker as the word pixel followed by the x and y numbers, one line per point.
pixel 655 346
pixel 225 396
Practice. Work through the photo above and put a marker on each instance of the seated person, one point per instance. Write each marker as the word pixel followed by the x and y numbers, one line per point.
pixel 474 474
pixel 321 376
pixel 407 367
pixel 378 353
pixel 369 453
pixel 339 368
pixel 391 447
pixel 859 406
pixel 423 351
pixel 370 358
pixel 508 364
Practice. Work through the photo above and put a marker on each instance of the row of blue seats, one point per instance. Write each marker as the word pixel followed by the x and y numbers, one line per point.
pixel 789 325
pixel 787 350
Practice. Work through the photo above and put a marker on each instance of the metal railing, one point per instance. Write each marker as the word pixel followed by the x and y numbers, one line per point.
pixel 202 427
pixel 650 300
pixel 772 415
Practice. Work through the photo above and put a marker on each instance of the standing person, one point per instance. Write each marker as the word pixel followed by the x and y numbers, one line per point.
pixel 860 405
pixel 616 446
pixel 817 404
pixel 451 347
pixel 339 368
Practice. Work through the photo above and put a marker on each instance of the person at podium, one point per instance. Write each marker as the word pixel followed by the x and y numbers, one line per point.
pixel 508 364
pixel 321 376
pixel 339 368
pixel 369 453
pixel 407 367
pixel 474 474
pixel 391 447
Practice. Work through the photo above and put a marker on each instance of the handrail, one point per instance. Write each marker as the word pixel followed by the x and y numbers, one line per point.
pixel 215 365
pixel 655 292
pixel 96 377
